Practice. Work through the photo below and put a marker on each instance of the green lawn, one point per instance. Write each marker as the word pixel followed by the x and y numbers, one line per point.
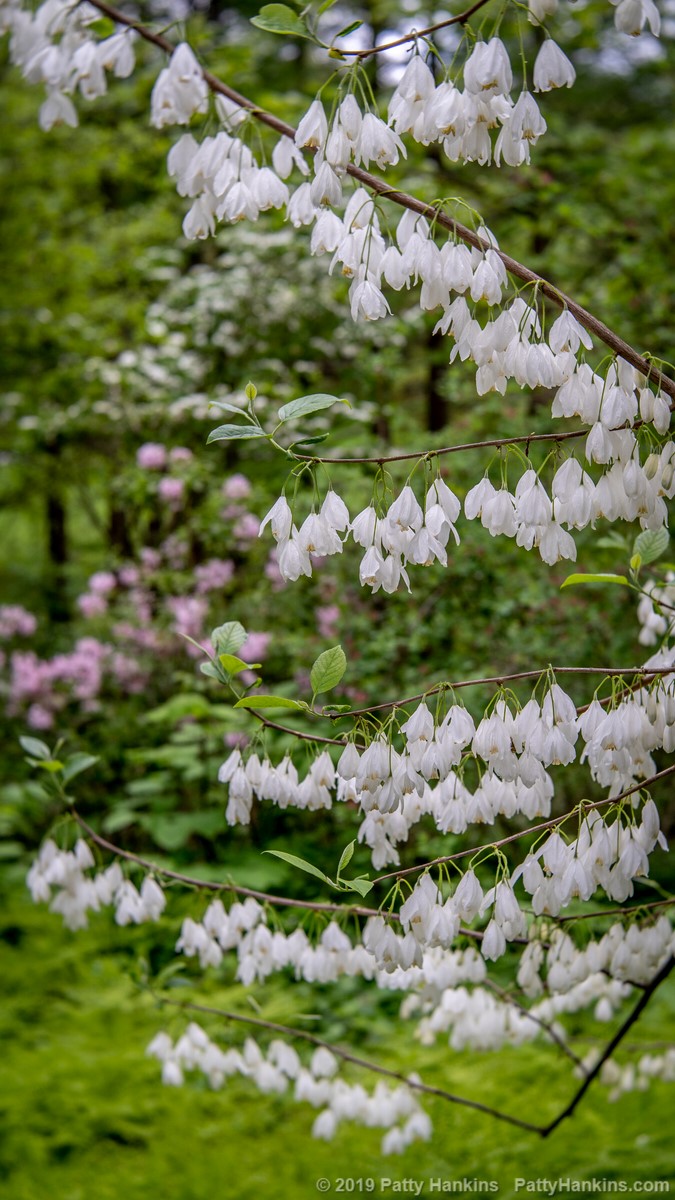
pixel 84 1116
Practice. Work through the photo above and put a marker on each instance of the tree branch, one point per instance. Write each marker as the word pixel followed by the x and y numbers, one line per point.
pixel 647 672
pixel 548 1029
pixel 544 825
pixel 612 1045
pixel 460 19
pixel 415 1085
pixel 381 188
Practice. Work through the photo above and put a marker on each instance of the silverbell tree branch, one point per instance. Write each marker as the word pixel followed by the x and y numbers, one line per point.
pixel 414 34
pixel 612 1045
pixel 543 1130
pixel 640 674
pixel 304 1035
pixel 360 910
pixel 521 833
pixel 381 188
pixel 209 885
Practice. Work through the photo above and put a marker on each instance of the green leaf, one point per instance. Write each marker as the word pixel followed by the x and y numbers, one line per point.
pixel 210 669
pixel 279 18
pixel 349 28
pixel 269 702
pixel 651 544
pixel 328 670
pixel 360 885
pixel 102 27
pixel 309 404
pixel 52 766
pixel 77 763
pixel 229 433
pixel 571 579
pixel 232 408
pixel 35 748
pixel 309 441
pixel 346 857
pixel 228 638
pixel 301 864
pixel 234 665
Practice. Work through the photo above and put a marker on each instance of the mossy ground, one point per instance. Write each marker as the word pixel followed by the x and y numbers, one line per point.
pixel 84 1116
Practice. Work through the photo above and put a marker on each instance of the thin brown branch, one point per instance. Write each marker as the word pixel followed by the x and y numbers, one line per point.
pixel 612 1045
pixel 460 19
pixel 496 443
pixel 357 910
pixel 214 886
pixel 305 737
pixel 645 672
pixel 615 912
pixel 381 188
pixel 548 1029
pixel 541 828
pixel 346 1056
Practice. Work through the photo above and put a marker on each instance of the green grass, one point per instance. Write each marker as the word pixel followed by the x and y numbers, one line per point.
pixel 84 1117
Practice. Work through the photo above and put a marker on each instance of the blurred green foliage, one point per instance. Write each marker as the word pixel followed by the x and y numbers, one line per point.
pixel 116 332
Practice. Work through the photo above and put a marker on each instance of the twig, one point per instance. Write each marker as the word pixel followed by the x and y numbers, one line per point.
pixel 615 912
pixel 415 1085
pixel 651 672
pixel 381 188
pixel 460 19
pixel 496 443
pixel 305 737
pixel 357 910
pixel 612 1045
pixel 213 886
pixel 513 837
pixel 548 1029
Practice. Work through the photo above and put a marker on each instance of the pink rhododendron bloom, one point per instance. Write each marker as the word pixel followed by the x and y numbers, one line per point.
pixel 16 621
pixel 128 576
pixel 255 647
pixel 39 717
pixel 150 558
pixel 247 528
pixel 214 574
pixel 237 487
pixel 91 605
pixel 327 618
pixel 151 456
pixel 171 490
pixel 102 582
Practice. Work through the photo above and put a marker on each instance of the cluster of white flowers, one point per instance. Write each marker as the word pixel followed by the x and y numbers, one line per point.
pixel 405 534
pixel 52 45
pixel 634 1076
pixel 656 611
pixel 600 975
pixel 225 182
pixel 280 1069
pixel 630 17
pixel 78 893
pixel 222 177
pixel 447 987
pixel 409 534
pixel 513 750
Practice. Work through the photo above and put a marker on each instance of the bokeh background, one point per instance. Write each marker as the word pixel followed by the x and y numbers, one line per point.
pixel 120 530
